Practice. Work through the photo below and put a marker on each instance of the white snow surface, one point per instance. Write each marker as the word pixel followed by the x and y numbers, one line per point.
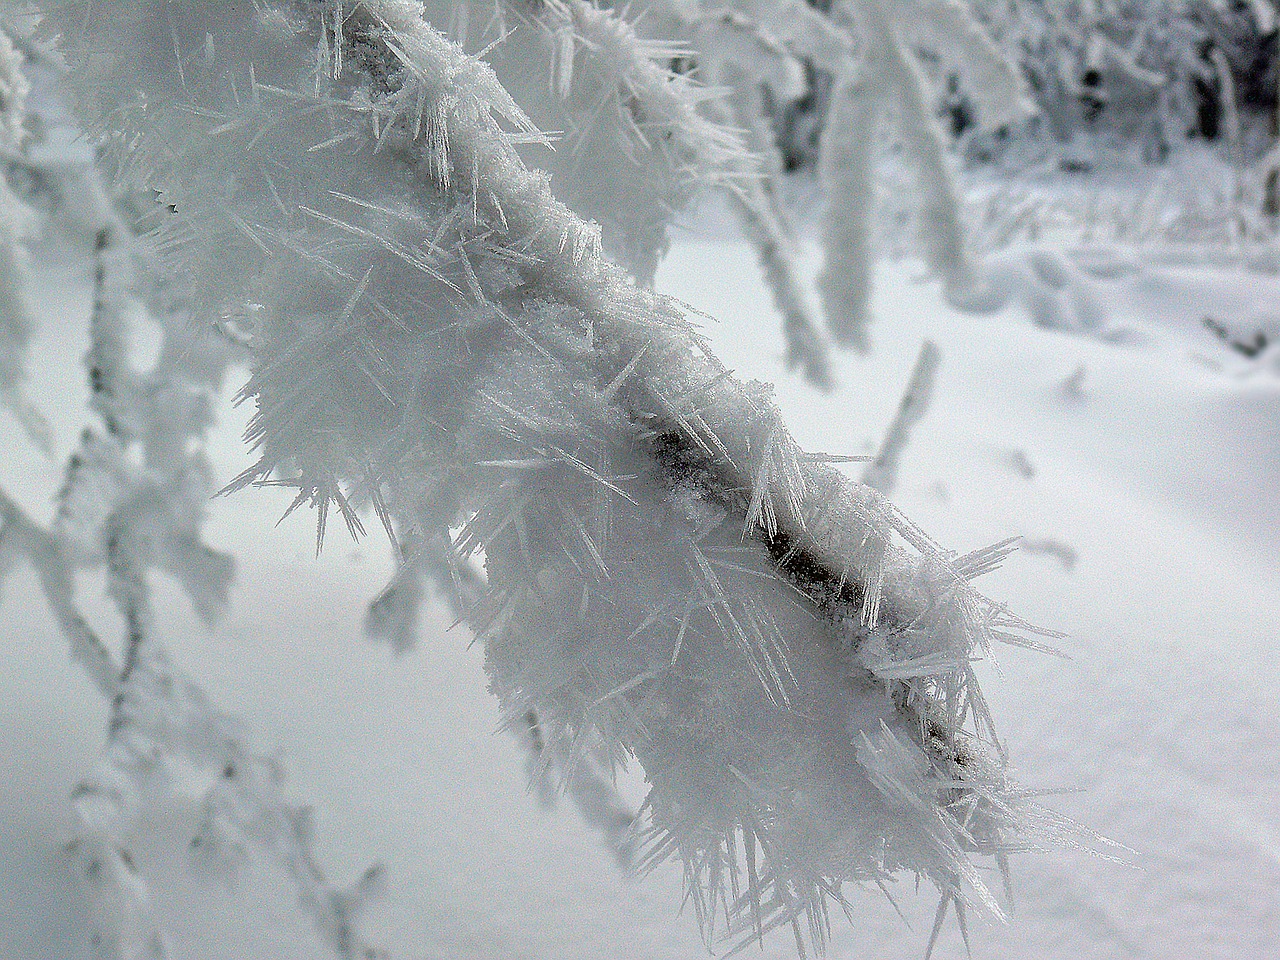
pixel 1147 488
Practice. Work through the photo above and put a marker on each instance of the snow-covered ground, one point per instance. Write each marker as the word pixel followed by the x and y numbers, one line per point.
pixel 1141 466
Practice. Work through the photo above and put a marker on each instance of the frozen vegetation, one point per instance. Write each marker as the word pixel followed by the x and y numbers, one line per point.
pixel 482 275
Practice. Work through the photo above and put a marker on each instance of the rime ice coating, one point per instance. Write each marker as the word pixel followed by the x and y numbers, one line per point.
pixel 669 575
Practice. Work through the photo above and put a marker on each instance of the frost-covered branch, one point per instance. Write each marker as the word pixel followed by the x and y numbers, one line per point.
pixel 892 76
pixel 631 145
pixel 16 322
pixel 882 472
pixel 806 348
pixel 21 538
pixel 848 178
pixel 950 29
pixel 740 54
pixel 669 576
pixel 132 500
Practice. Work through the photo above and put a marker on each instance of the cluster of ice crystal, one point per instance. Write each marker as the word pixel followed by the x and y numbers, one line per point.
pixel 632 147
pixel 668 576
pixel 636 141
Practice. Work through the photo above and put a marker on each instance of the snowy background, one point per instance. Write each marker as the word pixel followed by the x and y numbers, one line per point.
pixel 1139 463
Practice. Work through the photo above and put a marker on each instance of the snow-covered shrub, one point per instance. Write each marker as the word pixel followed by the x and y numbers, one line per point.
pixel 435 334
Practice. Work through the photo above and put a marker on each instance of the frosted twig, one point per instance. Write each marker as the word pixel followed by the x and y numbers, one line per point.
pixel 882 473
pixel 16 321
pixel 133 498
